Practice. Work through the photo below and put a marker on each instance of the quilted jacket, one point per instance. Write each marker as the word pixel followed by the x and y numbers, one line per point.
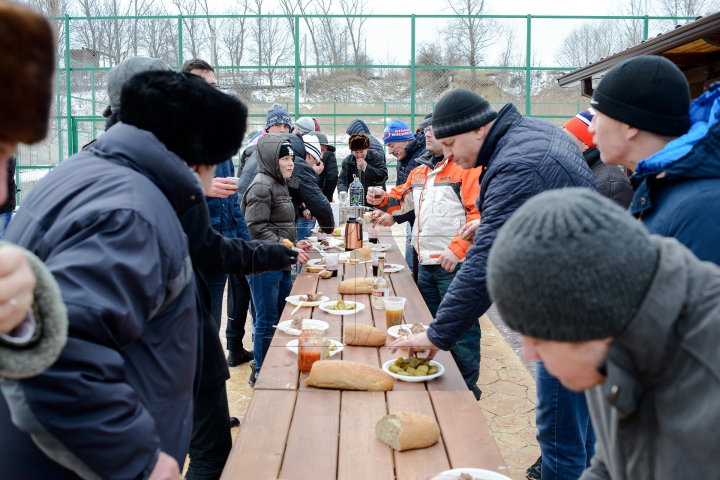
pixel 521 157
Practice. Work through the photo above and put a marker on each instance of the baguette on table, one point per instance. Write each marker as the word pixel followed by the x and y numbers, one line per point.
pixel 347 375
pixel 356 286
pixel 362 335
pixel 407 431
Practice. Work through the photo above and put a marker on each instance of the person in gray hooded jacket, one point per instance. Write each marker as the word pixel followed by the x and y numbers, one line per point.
pixel 635 327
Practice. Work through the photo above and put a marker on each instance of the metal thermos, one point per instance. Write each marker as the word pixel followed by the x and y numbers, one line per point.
pixel 353 234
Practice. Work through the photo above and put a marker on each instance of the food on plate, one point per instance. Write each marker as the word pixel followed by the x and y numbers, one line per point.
pixel 356 285
pixel 315 269
pixel 325 274
pixel 296 322
pixel 312 332
pixel 311 297
pixel 416 328
pixel 407 431
pixel 342 305
pixel 447 476
pixel 413 367
pixel 337 231
pixel 361 254
pixel 321 262
pixel 325 242
pixel 347 375
pixel 287 243
pixel 364 335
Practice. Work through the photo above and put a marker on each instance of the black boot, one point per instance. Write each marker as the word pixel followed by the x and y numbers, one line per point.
pixel 236 358
pixel 533 473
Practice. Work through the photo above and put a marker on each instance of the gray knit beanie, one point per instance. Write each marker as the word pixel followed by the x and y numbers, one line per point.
pixel 460 111
pixel 123 71
pixel 570 265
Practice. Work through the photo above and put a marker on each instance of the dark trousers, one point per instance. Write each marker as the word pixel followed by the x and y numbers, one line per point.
pixel 239 301
pixel 433 283
pixel 216 285
pixel 211 440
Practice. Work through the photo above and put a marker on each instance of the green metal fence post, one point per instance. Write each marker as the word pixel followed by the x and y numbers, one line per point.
pixel 94 125
pixel 68 91
pixel 297 66
pixel 334 122
pixel 528 66
pixel 180 43
pixel 646 27
pixel 412 73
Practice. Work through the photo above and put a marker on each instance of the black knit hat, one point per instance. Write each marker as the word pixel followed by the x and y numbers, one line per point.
pixel 570 265
pixel 196 121
pixel 460 111
pixel 649 93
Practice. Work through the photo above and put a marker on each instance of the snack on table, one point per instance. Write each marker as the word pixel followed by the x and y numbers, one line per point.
pixel 342 305
pixel 348 375
pixel 413 367
pixel 360 255
pixel 287 243
pixel 356 285
pixel 407 431
pixel 325 274
pixel 297 322
pixel 405 334
pixel 311 297
pixel 416 328
pixel 315 269
pixel 364 335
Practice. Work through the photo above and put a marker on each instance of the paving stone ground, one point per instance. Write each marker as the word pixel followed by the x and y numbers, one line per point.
pixel 507 402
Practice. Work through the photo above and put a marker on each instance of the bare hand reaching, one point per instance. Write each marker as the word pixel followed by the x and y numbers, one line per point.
pixel 166 468
pixel 222 187
pixel 17 284
pixel 467 232
pixel 418 341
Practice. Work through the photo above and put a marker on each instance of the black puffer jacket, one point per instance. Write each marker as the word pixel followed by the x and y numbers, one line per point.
pixel 612 182
pixel 523 156
pixel 375 174
pixel 329 176
pixel 268 207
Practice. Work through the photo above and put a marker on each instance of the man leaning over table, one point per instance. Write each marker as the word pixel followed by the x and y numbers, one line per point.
pixel 520 157
pixel 442 195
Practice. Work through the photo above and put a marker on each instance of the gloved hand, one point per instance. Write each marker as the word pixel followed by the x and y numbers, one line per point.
pixel 273 256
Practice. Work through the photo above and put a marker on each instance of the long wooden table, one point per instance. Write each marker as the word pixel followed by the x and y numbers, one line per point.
pixel 292 431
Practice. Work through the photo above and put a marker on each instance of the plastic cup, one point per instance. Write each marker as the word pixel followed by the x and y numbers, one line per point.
pixel 332 262
pixel 394 308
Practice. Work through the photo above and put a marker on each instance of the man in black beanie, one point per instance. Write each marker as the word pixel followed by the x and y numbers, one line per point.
pixel 645 122
pixel 635 328
pixel 520 157
pixel 119 400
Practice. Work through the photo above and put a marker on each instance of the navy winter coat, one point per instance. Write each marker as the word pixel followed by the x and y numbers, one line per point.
pixel 225 214
pixel 105 222
pixel 677 190
pixel 522 157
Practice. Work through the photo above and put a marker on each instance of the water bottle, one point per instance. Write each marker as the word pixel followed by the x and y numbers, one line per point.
pixel 355 192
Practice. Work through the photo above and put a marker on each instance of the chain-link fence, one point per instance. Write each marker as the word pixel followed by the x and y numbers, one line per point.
pixel 334 68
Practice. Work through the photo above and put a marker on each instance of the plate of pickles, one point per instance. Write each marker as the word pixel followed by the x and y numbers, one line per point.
pixel 413 369
pixel 341 307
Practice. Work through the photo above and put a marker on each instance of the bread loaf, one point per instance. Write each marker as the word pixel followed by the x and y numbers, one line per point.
pixel 349 376
pixel 363 335
pixel 315 269
pixel 407 430
pixel 325 274
pixel 287 243
pixel 356 285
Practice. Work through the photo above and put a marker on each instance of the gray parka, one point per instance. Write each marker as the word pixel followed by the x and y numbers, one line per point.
pixel 268 208
pixel 657 416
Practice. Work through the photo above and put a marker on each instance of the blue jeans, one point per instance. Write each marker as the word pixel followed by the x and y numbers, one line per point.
pixel 565 432
pixel 304 228
pixel 4 221
pixel 216 285
pixel 269 290
pixel 433 283
pixel 408 246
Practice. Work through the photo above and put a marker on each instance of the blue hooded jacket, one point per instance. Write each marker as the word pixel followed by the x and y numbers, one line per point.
pixel 521 157
pixel 677 190
pixel 225 214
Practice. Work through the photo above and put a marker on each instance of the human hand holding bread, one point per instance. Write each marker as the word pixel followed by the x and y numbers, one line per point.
pixel 416 343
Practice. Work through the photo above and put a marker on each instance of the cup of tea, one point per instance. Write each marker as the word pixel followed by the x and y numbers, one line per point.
pixel 237 183
pixel 394 309
pixel 332 261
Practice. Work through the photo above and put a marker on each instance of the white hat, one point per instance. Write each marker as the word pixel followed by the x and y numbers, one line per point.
pixel 312 145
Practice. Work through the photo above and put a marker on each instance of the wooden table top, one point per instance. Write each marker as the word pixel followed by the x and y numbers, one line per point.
pixel 292 431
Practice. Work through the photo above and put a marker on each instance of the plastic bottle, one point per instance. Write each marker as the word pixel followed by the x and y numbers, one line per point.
pixel 380 288
pixel 355 193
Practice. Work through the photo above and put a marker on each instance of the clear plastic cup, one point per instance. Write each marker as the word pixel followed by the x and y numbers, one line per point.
pixel 394 309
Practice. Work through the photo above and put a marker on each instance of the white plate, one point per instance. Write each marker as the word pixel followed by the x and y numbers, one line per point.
pixel 293 347
pixel 333 243
pixel 315 262
pixel 404 378
pixel 358 307
pixel 295 299
pixel 380 247
pixel 476 473
pixel 394 330
pixel 393 268
pixel 307 323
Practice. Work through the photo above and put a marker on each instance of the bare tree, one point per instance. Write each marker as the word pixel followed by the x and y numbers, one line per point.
pixel 587 43
pixel 355 24
pixel 192 28
pixel 233 38
pixel 212 29
pixel 158 37
pixel 138 8
pixel 632 32
pixel 333 37
pixel 53 8
pixel 688 8
pixel 467 35
pixel 270 43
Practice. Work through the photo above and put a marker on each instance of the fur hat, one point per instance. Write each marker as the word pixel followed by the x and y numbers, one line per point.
pixel 199 123
pixel 27 63
pixel 358 141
